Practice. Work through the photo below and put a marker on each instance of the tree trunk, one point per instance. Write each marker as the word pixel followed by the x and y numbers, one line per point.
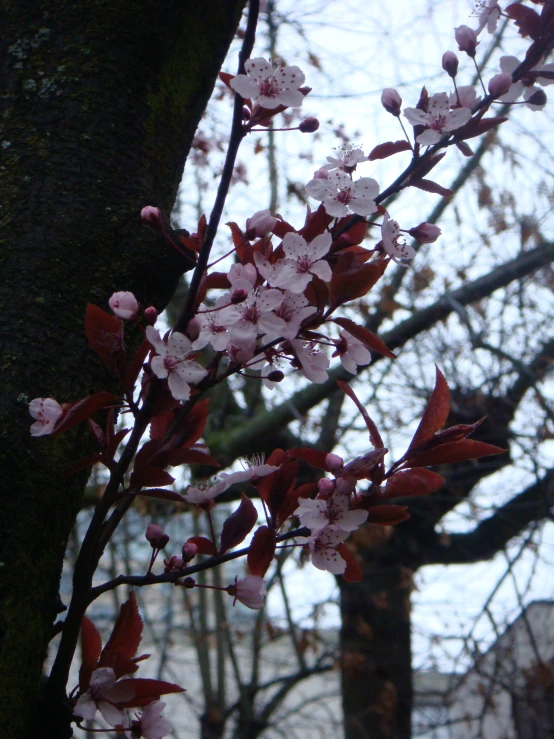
pixel 98 108
pixel 376 648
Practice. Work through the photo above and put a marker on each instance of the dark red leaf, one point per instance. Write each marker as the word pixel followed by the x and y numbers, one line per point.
pixel 261 551
pixel 435 414
pixel 526 19
pixel 115 441
pixel 417 481
pixel 84 409
pixel 239 524
pixel 81 464
pixel 273 488
pixel 146 453
pixel 147 691
pixel 226 78
pixel 374 435
pixel 476 128
pixel 163 494
pixel 349 286
pixel 434 187
pixel 104 332
pixel 353 235
pixel 317 293
pixel 282 228
pixel 316 224
pixel 205 546
pixel 150 476
pixel 192 456
pixel 277 457
pixel 353 571
pixel 368 339
pixel 382 151
pixel 290 502
pixel 315 457
pixel 136 364
pixel 466 149
pixel 387 515
pixel 91 647
pixel 124 640
pixel 456 451
pixel 426 164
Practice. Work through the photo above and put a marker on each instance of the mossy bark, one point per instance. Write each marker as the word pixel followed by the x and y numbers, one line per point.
pixel 99 103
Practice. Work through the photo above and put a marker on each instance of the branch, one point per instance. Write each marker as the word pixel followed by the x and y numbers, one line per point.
pixel 492 534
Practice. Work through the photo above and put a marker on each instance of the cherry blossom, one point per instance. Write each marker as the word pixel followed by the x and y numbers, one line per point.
pixel 270 87
pixel 313 363
pixel 346 159
pixel 213 325
pixel 302 261
pixel 103 692
pixel 339 194
pixel 322 545
pixel 254 316
pixel 243 276
pixel 267 363
pixel 254 468
pixel 489 15
pixel 351 352
pixel 260 224
pixel 508 64
pixel 150 724
pixel 293 310
pixel 171 362
pixel 464 97
pixel 393 243
pixel 438 120
pixel 47 411
pixel 466 38
pixel 317 514
pixel 250 591
pixel 124 305
pixel 201 494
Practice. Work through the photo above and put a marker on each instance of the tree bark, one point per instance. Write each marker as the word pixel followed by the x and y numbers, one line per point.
pixel 98 109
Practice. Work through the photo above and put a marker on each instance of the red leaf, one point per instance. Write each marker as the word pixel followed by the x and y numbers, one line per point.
pixel 382 151
pixel 150 476
pixel 136 364
pixel 163 494
pixel 290 502
pixel 83 409
pixel 315 457
pixel 282 228
pixel 147 691
pixel 455 451
pixel 274 488
pixel 316 224
pixel 81 464
pixel 317 293
pixel 226 78
pixel 466 149
pixel 435 414
pixel 426 164
pixel 476 128
pixel 387 515
pixel 353 235
pixel 205 546
pixel 353 571
pixel 417 481
pixel 239 524
pixel 104 332
pixel 349 286
pixel 374 435
pixel 434 187
pixel 368 339
pixel 91 647
pixel 192 456
pixel 526 19
pixel 261 551
pixel 124 640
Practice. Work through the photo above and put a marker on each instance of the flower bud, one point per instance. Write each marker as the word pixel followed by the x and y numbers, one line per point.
pixel 124 305
pixel 391 101
pixel 333 462
pixel 466 39
pixel 450 63
pixel 152 217
pixel 189 551
pixel 500 84
pixel 275 376
pixel 305 90
pixel 538 98
pixel 260 224
pixel 175 563
pixel 156 536
pixel 250 591
pixel 189 582
pixel 425 233
pixel 150 315
pixel 193 328
pixel 308 125
pixel 326 487
pixel 239 296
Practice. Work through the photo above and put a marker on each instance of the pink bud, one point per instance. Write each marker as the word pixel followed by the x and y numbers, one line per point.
pixel 305 90
pixel 466 38
pixel 425 233
pixel 189 551
pixel 175 563
pixel 250 591
pixel 309 125
pixel 150 315
pixel 124 305
pixel 260 224
pixel 156 536
pixel 391 101
pixel 152 216
pixel 333 462
pixel 500 84
pixel 239 296
pixel 538 98
pixel 193 328
pixel 276 376
pixel 189 582
pixel 326 487
pixel 450 63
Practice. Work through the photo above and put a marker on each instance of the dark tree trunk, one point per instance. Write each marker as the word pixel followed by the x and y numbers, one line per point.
pixel 376 648
pixel 98 106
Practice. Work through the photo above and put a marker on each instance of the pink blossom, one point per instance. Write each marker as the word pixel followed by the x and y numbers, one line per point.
pixel 508 64
pixel 243 276
pixel 466 39
pixel 322 545
pixel 293 310
pixel 318 514
pixel 213 322
pixel 124 305
pixel 254 468
pixel 255 316
pixel 391 101
pixel 201 494
pixel 171 362
pixel 150 724
pixel 173 564
pixel 351 352
pixel 47 411
pixel 250 591
pixel 302 261
pixel 464 97
pixel 261 223
pixel 339 194
pixel 393 243
pixel 500 84
pixel 490 13
pixel 313 363
pixel 438 120
pixel 270 87
pixel 103 692
pixel 346 159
